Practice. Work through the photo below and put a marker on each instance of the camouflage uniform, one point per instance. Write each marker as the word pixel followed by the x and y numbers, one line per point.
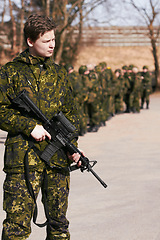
pixel 127 91
pixel 80 96
pixel 119 106
pixel 94 102
pixel 48 87
pixel 110 89
pixel 102 95
pixel 135 93
pixel 146 87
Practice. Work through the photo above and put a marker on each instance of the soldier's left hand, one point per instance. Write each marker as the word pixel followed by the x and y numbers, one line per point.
pixel 75 158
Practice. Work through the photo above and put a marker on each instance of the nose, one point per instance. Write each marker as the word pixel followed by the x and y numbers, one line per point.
pixel 52 44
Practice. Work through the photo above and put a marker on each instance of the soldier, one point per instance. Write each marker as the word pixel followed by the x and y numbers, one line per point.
pixel 127 84
pixel 91 107
pixel 49 88
pixel 110 88
pixel 146 87
pixel 102 93
pixel 80 96
pixel 135 90
pixel 94 103
pixel 119 105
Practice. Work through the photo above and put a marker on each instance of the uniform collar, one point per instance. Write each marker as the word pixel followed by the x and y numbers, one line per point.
pixel 33 60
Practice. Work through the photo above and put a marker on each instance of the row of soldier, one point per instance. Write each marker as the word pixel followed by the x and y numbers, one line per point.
pixel 101 93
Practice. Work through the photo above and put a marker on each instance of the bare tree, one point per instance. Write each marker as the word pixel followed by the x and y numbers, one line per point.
pixel 150 14
pixel 14 34
pixel 21 26
pixel 68 14
pixel 48 7
pixel 63 8
pixel 3 13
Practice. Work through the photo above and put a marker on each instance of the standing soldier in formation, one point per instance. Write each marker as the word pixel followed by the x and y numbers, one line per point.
pixel 127 85
pixel 110 78
pixel 119 104
pixel 80 96
pixel 94 102
pixel 135 90
pixel 99 69
pixel 90 84
pixel 100 93
pixel 146 87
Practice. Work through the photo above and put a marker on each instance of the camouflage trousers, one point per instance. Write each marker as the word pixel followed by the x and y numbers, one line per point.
pixel 145 95
pixel 19 205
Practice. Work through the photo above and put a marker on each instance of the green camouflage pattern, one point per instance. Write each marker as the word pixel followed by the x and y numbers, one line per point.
pixel 19 205
pixel 94 99
pixel 102 94
pixel 80 96
pixel 127 89
pixel 135 92
pixel 48 86
pixel 50 89
pixel 110 89
pixel 146 87
pixel 119 106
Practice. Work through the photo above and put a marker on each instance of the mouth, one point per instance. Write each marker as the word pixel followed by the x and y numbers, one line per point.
pixel 50 50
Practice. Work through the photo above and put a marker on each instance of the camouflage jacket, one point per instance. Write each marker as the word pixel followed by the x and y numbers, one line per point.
pixel 48 86
pixel 146 81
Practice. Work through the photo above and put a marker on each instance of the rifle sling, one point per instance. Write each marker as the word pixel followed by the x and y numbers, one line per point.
pixel 44 185
pixel 30 189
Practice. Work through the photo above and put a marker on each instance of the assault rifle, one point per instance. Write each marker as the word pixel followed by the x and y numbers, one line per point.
pixel 62 133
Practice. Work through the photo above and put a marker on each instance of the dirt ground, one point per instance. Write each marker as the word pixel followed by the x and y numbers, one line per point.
pixel 116 57
pixel 128 154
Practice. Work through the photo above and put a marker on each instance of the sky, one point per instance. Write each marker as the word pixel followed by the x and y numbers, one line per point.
pixel 118 15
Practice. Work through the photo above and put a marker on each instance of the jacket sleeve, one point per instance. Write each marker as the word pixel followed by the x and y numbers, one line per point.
pixel 11 120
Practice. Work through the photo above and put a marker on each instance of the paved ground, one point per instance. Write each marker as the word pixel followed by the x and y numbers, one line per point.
pixel 128 155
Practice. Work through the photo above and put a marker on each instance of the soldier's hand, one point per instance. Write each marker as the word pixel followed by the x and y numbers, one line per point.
pixel 75 158
pixel 39 133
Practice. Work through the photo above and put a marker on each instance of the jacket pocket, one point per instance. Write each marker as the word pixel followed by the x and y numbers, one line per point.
pixel 15 151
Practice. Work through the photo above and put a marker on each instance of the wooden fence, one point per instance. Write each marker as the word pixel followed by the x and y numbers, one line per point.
pixel 116 36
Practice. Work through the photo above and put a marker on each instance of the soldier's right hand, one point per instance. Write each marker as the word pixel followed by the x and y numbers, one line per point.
pixel 39 133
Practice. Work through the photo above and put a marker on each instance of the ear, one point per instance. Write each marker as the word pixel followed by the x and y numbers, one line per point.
pixel 29 42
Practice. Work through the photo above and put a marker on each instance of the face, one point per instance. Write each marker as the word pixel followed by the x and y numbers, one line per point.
pixel 117 74
pixel 135 70
pixel 43 46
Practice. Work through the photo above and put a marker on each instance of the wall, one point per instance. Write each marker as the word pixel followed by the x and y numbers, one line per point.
pixel 115 36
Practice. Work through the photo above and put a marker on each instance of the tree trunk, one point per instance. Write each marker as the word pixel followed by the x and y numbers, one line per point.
pixel 63 35
pixel 155 55
pixel 14 35
pixel 156 64
pixel 79 39
pixel 3 13
pixel 48 8
pixel 30 7
pixel 21 26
